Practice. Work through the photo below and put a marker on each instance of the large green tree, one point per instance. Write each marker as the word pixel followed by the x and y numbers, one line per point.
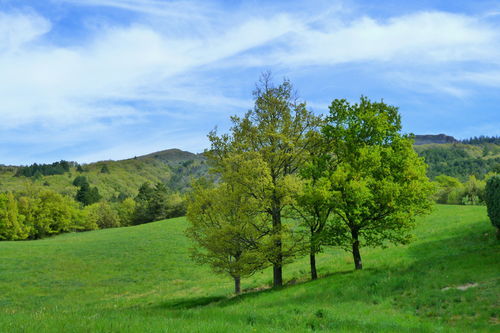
pixel 277 130
pixel 224 223
pixel 492 199
pixel 379 182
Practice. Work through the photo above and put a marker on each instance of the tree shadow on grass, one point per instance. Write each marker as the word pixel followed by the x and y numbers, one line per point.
pixel 189 303
pixel 224 301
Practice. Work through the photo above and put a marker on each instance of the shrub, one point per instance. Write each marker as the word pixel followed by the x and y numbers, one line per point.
pixel 102 215
pixel 492 198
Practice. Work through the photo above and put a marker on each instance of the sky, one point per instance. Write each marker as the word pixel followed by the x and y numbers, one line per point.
pixel 89 80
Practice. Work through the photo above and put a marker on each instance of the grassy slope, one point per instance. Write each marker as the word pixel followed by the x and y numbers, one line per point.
pixel 141 279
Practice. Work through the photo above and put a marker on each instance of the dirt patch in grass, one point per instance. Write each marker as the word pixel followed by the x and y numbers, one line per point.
pixel 462 287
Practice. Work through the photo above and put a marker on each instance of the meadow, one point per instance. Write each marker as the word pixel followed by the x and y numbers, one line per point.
pixel 141 279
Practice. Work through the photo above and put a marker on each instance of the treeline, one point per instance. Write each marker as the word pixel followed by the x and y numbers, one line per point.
pixel 38 212
pixel 477 140
pixel 36 170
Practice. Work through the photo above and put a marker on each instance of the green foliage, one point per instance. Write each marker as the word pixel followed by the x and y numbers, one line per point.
pixel 379 181
pixel 142 212
pixel 102 215
pixel 275 132
pixel 157 203
pixel 473 191
pixel 80 181
pixel 87 195
pixel 451 191
pixel 105 169
pixel 492 199
pixel 48 213
pixel 11 222
pixel 125 210
pixel 314 204
pixel 227 227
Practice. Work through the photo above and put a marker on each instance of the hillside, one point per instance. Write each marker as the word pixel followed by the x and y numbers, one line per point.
pixel 172 167
pixel 141 279
pixel 460 160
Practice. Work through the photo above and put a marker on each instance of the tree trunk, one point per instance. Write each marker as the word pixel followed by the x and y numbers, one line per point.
pixel 278 264
pixel 237 285
pixel 312 259
pixel 355 251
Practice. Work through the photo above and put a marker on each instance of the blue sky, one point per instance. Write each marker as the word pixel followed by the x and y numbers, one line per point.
pixel 89 80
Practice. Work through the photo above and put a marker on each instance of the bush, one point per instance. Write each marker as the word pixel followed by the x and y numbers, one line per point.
pixel 102 215
pixel 492 198
pixel 47 213
pixel 11 226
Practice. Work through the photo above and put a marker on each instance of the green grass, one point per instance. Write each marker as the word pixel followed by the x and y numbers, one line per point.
pixel 140 279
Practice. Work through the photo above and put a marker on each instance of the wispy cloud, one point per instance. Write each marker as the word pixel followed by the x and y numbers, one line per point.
pixel 126 72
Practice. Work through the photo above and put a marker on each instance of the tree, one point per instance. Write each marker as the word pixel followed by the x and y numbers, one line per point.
pixel 449 190
pixel 48 213
pixel 492 199
pixel 379 181
pixel 158 204
pixel 11 222
pixel 277 130
pixel 102 215
pixel 104 168
pixel 314 200
pixel 125 210
pixel 87 195
pixel 473 191
pixel 80 181
pixel 142 212
pixel 224 223
pixel 152 203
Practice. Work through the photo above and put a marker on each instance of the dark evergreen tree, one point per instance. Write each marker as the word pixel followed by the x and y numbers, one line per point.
pixel 87 195
pixel 80 181
pixel 104 169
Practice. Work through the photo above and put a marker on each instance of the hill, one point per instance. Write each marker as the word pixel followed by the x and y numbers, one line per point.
pixel 121 178
pixel 141 279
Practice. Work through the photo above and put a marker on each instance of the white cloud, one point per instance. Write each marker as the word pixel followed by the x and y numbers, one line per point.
pixel 424 37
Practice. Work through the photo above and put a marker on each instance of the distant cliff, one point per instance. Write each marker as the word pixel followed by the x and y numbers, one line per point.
pixel 434 138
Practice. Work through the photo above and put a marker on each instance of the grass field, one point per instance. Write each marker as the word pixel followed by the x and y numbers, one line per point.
pixel 140 279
